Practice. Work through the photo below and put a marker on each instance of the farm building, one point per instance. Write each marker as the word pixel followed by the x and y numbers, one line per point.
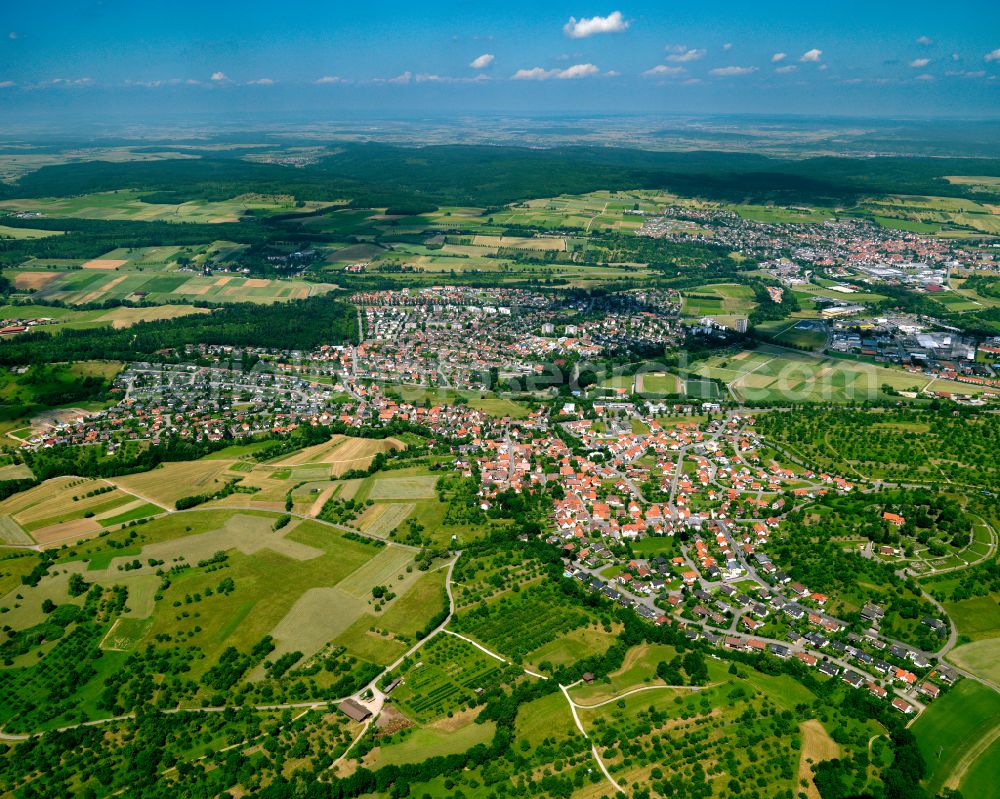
pixel 354 710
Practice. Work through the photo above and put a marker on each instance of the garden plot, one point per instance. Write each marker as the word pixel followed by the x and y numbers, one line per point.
pixel 445 678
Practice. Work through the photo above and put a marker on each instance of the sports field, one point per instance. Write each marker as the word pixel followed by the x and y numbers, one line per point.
pixel 658 383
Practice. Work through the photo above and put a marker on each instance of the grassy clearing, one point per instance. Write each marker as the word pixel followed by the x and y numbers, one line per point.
pixel 442 738
pixel 500 408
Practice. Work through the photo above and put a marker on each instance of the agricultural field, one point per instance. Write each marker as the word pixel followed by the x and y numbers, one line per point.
pixel 499 407
pixel 519 624
pixel 121 282
pixel 446 736
pixel 955 734
pixel 976 618
pixel 169 482
pixel 723 302
pixel 339 455
pixel 934 215
pixel 128 205
pixel 778 215
pixel 981 658
pixel 774 374
pixel 230 574
pixel 597 211
pixel 67 509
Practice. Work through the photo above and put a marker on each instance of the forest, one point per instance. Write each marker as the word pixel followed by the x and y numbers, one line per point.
pixel 379 175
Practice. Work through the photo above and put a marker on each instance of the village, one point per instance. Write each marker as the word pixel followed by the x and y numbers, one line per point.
pixel 664 507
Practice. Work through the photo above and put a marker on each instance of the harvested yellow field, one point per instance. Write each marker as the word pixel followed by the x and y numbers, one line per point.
pixel 104 263
pixel 522 242
pixel 817 746
pixel 357 453
pixel 54 499
pixel 74 530
pixel 171 481
pixel 33 281
pixel 342 453
pixel 313 454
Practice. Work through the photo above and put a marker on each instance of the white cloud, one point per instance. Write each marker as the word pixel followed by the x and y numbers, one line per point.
pixel 482 61
pixel 686 56
pixel 261 82
pixel 402 78
pixel 7 84
pixel 724 72
pixel 12 35
pixel 786 69
pixel 926 41
pixel 727 46
pixel 916 63
pixel 663 71
pixel 811 55
pixel 537 73
pixel 579 71
pixel 992 56
pixel 72 82
pixel 575 71
pixel 778 57
pixel 590 26
pixel 327 80
pixel 218 76
pixel 925 76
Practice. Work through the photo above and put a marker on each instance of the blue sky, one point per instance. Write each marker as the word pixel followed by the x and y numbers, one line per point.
pixel 879 58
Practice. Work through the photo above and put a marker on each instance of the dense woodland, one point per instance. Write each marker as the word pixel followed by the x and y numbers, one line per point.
pixel 387 175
